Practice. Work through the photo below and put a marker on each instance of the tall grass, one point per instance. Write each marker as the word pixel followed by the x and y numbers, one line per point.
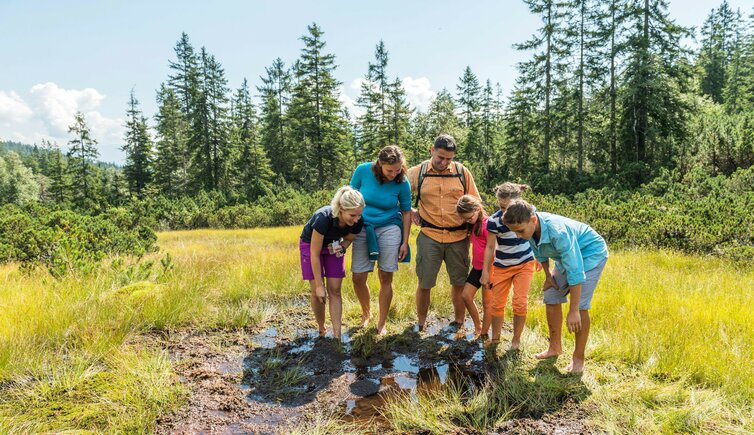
pixel 670 350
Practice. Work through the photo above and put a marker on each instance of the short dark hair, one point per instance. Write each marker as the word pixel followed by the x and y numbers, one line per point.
pixel 445 142
pixel 518 212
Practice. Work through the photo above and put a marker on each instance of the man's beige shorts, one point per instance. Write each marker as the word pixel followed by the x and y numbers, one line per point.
pixel 430 254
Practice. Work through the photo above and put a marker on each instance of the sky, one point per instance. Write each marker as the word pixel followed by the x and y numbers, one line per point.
pixel 59 57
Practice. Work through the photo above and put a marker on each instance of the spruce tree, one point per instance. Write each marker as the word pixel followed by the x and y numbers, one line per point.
pixel 59 189
pixel 82 153
pixel 138 149
pixel 252 174
pixel 468 100
pixel 540 72
pixel 653 112
pixel 171 160
pixel 319 126
pixel 275 131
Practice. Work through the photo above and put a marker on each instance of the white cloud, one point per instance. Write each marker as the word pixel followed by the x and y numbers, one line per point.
pixel 13 109
pixel 419 92
pixel 350 103
pixel 56 106
pixel 48 110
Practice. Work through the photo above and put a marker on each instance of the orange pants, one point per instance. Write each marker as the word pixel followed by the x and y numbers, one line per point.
pixel 502 279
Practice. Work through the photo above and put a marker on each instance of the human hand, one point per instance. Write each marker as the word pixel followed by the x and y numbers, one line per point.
pixel 549 283
pixel 573 321
pixel 403 251
pixel 415 216
pixel 537 266
pixel 485 280
pixel 319 291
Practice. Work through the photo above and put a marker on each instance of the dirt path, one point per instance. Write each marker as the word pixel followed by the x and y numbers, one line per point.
pixel 271 380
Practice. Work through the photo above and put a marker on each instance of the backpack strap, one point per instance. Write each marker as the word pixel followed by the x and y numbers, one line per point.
pixel 422 173
pixel 460 174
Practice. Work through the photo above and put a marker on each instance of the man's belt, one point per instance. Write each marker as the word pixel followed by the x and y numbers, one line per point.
pixel 425 224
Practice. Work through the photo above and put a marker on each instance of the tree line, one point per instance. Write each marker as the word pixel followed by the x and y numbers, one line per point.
pixel 609 96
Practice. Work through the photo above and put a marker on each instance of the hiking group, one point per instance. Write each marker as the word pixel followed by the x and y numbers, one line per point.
pixel 373 215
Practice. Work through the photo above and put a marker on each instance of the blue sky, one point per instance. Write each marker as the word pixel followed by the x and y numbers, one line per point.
pixel 63 56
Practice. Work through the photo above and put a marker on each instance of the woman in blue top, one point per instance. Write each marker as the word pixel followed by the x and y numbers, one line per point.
pixel 387 223
pixel 580 255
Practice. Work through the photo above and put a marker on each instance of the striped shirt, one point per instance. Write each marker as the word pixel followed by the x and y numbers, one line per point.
pixel 510 250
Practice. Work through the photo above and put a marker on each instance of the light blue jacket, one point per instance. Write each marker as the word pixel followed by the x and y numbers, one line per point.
pixel 574 246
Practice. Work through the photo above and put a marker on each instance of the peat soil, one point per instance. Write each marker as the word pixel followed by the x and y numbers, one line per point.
pixel 277 378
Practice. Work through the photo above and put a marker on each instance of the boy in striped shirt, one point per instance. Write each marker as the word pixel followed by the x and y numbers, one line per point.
pixel 513 267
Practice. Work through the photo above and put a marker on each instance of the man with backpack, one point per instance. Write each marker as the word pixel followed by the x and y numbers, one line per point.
pixel 438 184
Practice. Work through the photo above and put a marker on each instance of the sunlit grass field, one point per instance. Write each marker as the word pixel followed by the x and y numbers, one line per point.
pixel 671 349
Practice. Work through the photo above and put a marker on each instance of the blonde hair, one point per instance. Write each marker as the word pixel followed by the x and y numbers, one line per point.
pixel 509 190
pixel 471 204
pixel 346 198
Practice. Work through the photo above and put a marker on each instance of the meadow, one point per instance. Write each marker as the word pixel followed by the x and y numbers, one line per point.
pixel 670 351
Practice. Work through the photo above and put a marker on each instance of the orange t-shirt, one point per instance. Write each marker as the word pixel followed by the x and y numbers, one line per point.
pixel 437 204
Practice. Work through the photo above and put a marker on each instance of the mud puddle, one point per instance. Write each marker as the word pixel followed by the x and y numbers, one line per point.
pixel 298 372
pixel 278 378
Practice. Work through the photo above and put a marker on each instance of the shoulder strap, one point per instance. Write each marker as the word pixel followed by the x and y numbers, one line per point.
pixel 422 173
pixel 461 175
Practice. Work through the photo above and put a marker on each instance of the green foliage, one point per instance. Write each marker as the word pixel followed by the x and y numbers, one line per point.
pixel 65 242
pixel 18 185
pixel 694 213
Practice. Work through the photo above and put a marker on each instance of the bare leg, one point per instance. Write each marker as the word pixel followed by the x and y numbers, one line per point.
pixel 422 305
pixel 459 307
pixel 497 328
pixel 487 314
pixel 361 288
pixel 336 305
pixel 319 309
pixel 386 297
pixel 577 363
pixel 555 324
pixel 518 328
pixel 469 291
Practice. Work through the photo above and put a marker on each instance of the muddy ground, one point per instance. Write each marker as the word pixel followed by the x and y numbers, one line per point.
pixel 275 378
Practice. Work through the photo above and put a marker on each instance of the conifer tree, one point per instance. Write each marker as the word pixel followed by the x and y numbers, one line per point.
pixel 138 149
pixel 82 153
pixel 319 129
pixel 275 131
pixel 540 72
pixel 59 189
pixel 252 174
pixel 171 161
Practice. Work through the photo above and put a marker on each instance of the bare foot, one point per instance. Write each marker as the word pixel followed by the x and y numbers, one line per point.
pixel 365 320
pixel 477 331
pixel 576 366
pixel 492 343
pixel 322 332
pixel 381 330
pixel 549 353
pixel 515 345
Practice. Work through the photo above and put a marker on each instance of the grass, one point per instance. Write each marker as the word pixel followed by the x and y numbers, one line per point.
pixel 671 348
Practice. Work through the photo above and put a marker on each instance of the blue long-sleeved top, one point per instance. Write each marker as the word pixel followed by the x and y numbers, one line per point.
pixel 574 246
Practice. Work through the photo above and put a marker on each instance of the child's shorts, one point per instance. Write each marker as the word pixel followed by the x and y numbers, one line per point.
pixel 332 265
pixel 474 277
pixel 503 279
pixel 558 296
